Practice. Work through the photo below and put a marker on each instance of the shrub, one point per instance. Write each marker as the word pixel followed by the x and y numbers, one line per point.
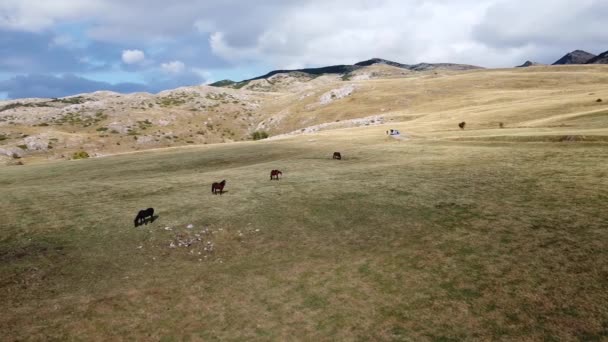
pixel 598 100
pixel 501 125
pixel 259 135
pixel 23 147
pixel 80 155
pixel 102 129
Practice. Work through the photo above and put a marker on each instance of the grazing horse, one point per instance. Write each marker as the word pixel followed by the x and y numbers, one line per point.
pixel 274 174
pixel 215 187
pixel 337 155
pixel 143 215
pixel 462 124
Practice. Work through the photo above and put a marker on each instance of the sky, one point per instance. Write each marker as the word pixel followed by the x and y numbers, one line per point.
pixel 54 48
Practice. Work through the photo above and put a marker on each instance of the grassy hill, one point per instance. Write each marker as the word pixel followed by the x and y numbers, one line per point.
pixel 106 123
pixel 441 234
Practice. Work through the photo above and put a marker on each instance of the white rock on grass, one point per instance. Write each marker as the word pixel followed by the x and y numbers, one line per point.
pixel 37 142
pixel 336 94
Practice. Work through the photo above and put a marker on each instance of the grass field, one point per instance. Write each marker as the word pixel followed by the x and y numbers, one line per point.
pixel 431 238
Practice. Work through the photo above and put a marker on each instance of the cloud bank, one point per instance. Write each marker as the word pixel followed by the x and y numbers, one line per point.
pixel 183 37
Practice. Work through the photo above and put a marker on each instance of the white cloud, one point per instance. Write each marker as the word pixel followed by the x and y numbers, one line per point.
pixel 317 32
pixel 174 67
pixel 133 56
pixel 35 15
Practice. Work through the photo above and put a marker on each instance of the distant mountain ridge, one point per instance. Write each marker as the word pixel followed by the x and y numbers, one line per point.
pixel 529 64
pixel 345 69
pixel 575 57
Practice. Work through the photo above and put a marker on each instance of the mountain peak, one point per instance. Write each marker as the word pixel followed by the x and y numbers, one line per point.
pixel 380 61
pixel 575 57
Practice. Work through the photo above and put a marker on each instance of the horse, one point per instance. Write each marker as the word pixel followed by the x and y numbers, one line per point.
pixel 274 174
pixel 215 187
pixel 337 155
pixel 143 215
pixel 462 124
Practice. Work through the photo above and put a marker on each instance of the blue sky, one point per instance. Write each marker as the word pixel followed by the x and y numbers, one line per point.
pixel 56 48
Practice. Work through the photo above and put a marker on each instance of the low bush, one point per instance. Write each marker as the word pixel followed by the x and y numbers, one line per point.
pixel 259 135
pixel 80 155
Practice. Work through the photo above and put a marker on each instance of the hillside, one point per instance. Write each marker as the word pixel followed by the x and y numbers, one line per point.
pixel 268 82
pixel 106 123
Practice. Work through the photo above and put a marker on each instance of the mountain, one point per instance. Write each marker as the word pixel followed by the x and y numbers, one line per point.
pixel 281 80
pixel 600 59
pixel 529 64
pixel 575 57
pixel 374 61
pixel 334 69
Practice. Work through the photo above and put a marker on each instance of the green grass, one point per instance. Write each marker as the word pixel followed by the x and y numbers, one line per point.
pixel 418 240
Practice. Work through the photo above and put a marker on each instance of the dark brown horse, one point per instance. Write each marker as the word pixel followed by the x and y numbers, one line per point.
pixel 337 155
pixel 462 124
pixel 218 187
pixel 274 174
pixel 142 217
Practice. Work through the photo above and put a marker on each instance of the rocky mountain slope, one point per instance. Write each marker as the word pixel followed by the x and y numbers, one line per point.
pixel 105 122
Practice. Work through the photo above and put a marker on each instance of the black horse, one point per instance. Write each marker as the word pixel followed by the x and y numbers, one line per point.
pixel 337 155
pixel 215 187
pixel 142 217
pixel 274 174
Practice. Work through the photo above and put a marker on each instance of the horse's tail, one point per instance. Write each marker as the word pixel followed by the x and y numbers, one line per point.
pixel 212 187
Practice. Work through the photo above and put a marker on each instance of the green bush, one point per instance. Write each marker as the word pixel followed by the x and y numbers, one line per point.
pixel 259 135
pixel 80 155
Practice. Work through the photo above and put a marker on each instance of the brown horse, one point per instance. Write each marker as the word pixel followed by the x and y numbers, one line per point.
pixel 274 174
pixel 337 155
pixel 218 187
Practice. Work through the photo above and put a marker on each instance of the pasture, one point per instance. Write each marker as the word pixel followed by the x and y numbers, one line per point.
pixel 455 235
